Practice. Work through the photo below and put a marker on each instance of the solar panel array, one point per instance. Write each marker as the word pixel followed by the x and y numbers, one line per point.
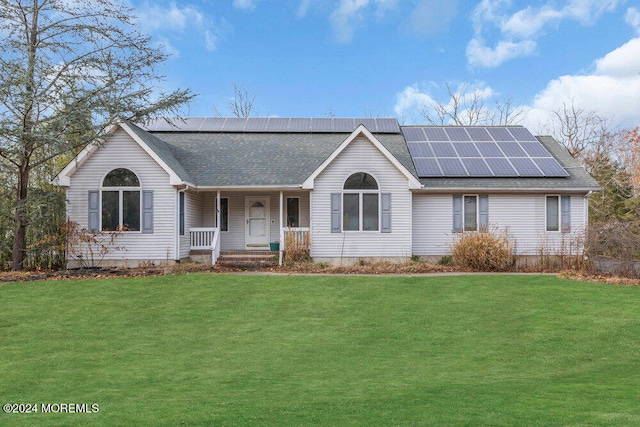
pixel 273 124
pixel 479 152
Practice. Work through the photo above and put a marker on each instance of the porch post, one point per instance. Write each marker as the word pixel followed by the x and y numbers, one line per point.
pixel 218 213
pixel 281 230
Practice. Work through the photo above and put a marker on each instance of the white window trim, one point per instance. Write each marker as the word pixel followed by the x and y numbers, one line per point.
pixel 546 208
pixel 361 210
pixel 464 211
pixel 120 202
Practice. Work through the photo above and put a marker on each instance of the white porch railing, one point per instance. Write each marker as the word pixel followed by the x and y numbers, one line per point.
pixel 298 236
pixel 206 238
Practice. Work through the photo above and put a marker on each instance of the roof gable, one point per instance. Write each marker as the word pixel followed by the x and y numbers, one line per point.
pixel 362 130
pixel 154 147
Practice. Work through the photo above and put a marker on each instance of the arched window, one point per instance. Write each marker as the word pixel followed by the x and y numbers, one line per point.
pixel 360 203
pixel 121 201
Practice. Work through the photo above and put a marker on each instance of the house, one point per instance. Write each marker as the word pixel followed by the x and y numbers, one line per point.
pixel 359 188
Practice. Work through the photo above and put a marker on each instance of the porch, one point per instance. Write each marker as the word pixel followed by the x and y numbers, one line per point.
pixel 244 226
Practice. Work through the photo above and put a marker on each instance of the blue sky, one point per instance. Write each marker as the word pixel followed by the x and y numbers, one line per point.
pixel 351 58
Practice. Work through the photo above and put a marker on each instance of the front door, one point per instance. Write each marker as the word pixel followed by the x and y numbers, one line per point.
pixel 257 222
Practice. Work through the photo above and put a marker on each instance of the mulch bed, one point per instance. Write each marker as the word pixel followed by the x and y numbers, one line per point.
pixel 299 268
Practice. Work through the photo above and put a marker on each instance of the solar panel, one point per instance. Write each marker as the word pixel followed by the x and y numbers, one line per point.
pixel 370 124
pixel 322 125
pixel 500 134
pixel 476 167
pixel 489 149
pixel 234 124
pixel 521 134
pixel 452 167
pixel 278 124
pixel 535 149
pixel 436 134
pixel 479 152
pixel 343 125
pixel 420 149
pixel 512 149
pixel 443 149
pixel 467 149
pixel 413 134
pixel 256 125
pixel 427 167
pixel 388 126
pixel 500 166
pixel 479 134
pixel 526 167
pixel 550 167
pixel 211 123
pixel 300 125
pixel 457 134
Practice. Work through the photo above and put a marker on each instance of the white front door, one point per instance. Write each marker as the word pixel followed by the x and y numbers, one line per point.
pixel 257 222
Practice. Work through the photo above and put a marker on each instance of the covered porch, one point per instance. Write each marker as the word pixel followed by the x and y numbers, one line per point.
pixel 242 221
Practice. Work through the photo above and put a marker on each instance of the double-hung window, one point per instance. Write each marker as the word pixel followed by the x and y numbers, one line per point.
pixel 121 201
pixel 553 213
pixel 361 197
pixel 470 208
pixel 558 213
pixel 470 213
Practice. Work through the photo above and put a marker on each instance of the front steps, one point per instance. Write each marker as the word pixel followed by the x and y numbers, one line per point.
pixel 248 259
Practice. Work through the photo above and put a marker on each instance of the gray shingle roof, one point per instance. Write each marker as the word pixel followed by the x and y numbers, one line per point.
pixel 228 159
pixel 162 150
pixel 262 159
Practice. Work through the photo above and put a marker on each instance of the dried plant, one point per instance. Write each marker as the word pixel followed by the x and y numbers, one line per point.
pixel 89 247
pixel 488 250
pixel 296 246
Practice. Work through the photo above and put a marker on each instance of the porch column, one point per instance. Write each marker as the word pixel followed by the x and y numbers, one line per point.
pixel 218 213
pixel 281 231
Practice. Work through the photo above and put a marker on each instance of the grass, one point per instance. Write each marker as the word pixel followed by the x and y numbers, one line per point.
pixel 202 349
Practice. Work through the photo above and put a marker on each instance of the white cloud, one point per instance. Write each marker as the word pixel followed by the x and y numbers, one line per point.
pixel 244 4
pixel 351 14
pixel 303 8
pixel 612 90
pixel 633 18
pixel 519 31
pixel 431 16
pixel 164 21
pixel 478 54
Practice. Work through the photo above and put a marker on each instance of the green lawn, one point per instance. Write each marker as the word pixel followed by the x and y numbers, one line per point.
pixel 234 350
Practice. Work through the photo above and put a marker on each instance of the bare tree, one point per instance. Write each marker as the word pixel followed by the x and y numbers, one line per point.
pixel 242 103
pixel 582 132
pixel 61 63
pixel 467 108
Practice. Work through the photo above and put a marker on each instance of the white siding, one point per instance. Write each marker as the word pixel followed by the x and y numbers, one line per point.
pixel 523 216
pixel 120 151
pixel 193 207
pixel 361 156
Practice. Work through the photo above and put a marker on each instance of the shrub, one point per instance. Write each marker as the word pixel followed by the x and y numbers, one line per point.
pixel 484 251
pixel 89 247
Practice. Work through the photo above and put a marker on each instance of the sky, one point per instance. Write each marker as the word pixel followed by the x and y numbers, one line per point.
pixel 391 58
